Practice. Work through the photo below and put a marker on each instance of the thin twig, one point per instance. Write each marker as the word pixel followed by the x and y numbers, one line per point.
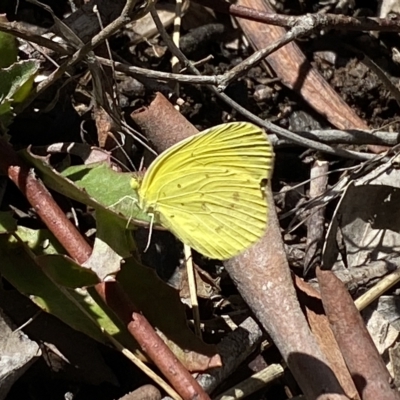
pixel 19 31
pixel 378 290
pixel 270 127
pixel 295 33
pixel 315 223
pixel 335 136
pixel 385 79
pixel 110 29
pixel 257 381
pixel 320 21
pixel 163 76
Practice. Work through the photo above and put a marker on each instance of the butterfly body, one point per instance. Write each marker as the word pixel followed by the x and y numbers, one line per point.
pixel 208 189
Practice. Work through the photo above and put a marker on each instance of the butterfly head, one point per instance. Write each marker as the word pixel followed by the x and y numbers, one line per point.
pixel 135 183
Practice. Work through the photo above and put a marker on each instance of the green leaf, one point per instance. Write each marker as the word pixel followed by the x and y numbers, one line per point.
pixel 33 267
pixel 15 85
pixel 65 272
pixel 8 47
pixel 24 91
pixel 14 77
pixel 95 185
pixel 20 266
pixel 110 188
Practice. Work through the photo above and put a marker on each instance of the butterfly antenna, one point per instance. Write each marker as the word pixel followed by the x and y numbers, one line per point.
pixel 138 137
pixel 150 233
pixel 113 205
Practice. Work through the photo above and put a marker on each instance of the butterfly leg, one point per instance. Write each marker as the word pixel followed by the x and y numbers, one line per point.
pixel 150 232
pixel 122 199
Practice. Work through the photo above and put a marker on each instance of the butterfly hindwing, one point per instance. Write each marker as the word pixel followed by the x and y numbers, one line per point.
pixel 221 221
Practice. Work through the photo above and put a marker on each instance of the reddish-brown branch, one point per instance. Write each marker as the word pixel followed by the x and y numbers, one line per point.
pixel 150 342
pixel 366 366
pixel 43 203
pixel 310 301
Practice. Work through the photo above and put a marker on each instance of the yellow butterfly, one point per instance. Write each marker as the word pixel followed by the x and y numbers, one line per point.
pixel 208 190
